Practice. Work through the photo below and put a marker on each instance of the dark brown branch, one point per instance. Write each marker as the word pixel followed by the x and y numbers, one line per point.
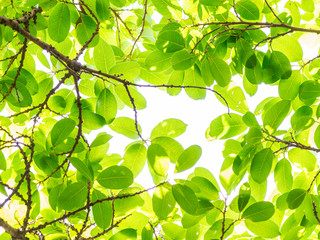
pixel 15 233
pixel 274 14
pixel 313 180
pixel 135 112
pixel 272 38
pixel 315 213
pixel 27 17
pixel 14 25
pixel 293 143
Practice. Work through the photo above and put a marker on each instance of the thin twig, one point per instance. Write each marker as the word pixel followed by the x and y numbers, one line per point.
pixel 142 28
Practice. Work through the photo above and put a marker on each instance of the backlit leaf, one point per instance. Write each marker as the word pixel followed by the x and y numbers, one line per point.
pixel 186 198
pixel 115 177
pixel 188 158
pixel 125 126
pixel 170 41
pixel 59 22
pixel 169 128
pixel 220 71
pixel 158 159
pixel 107 105
pixel 102 212
pixel 73 196
pixel 261 165
pixel 61 130
pixel 226 126
pixel 135 158
pixel 248 10
pixel 259 211
pixel 295 198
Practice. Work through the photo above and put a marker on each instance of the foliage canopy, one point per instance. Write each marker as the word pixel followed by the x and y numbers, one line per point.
pixel 68 67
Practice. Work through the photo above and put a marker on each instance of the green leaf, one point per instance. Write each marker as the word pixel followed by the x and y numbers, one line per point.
pixel 118 3
pixel 207 190
pixel 317 137
pixel 295 198
pixel 125 234
pixel 162 201
pixel 171 146
pixel 127 70
pixel 115 177
pixel 49 164
pixel 139 100
pixel 123 206
pixel 283 176
pixel 20 97
pixel 174 231
pixel 61 130
pixel 169 128
pixel 170 41
pixel 247 10
pixel 176 79
pixel 244 196
pixel 54 195
pixel 259 211
pixel 215 231
pixel 92 121
pixel 107 105
pixel 186 198
pixel 250 120
pixel 206 72
pixel 210 2
pixel 249 87
pixel 275 115
pixel 182 60
pixel 157 61
pixel 73 196
pixel 81 167
pixel 158 159
pixel 162 7
pixel 234 96
pixel 102 8
pixel 309 90
pixel 192 77
pixel 188 158
pixel 302 118
pixel 85 29
pixel 220 71
pixel 288 45
pixel 102 212
pixel 289 88
pixel 254 75
pixel 303 158
pixel 59 22
pixel 225 126
pixel 245 54
pixel 3 162
pixel 266 229
pixel 125 126
pixel 135 158
pixel 261 165
pixel 280 65
pixel 103 56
